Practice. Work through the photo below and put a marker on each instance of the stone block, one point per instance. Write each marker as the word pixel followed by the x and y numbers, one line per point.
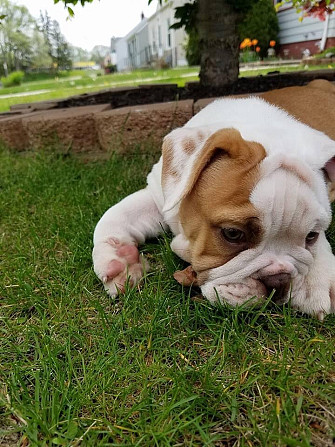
pixel 13 132
pixel 128 126
pixel 72 128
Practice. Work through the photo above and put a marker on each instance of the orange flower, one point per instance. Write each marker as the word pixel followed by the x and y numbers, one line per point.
pixel 254 42
pixel 245 43
pixel 272 43
pixel 258 49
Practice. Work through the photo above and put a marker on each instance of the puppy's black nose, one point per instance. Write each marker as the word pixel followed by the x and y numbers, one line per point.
pixel 278 281
pixel 281 282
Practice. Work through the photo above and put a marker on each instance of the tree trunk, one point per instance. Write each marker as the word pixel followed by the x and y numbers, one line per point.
pixel 218 43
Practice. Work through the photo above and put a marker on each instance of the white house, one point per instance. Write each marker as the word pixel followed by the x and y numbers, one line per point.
pixel 152 41
pixel 307 36
pixel 167 44
pixel 132 51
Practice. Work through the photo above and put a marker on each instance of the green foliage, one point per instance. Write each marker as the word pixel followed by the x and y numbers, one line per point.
pixel 260 23
pixel 16 26
pixel 42 76
pixel 325 53
pixel 13 79
pixel 73 3
pixel 186 16
pixel 192 48
pixel 58 49
pixel 314 8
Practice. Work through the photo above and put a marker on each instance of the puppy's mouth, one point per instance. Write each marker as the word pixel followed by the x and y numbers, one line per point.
pixel 277 286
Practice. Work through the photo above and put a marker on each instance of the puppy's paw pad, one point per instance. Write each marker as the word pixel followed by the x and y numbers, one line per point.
pixel 130 275
pixel 129 253
pixel 114 268
pixel 118 263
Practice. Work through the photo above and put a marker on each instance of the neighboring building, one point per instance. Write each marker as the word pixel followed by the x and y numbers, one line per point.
pixel 121 50
pixel 114 41
pixel 132 51
pixel 309 36
pixel 151 42
pixel 167 45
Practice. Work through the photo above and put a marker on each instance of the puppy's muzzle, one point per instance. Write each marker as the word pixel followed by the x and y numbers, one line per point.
pixel 281 283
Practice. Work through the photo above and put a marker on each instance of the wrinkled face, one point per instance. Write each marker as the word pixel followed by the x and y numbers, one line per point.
pixel 253 223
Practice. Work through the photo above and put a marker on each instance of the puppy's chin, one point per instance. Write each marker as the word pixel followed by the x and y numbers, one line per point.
pixel 247 292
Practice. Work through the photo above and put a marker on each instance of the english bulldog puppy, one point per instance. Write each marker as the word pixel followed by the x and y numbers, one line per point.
pixel 245 188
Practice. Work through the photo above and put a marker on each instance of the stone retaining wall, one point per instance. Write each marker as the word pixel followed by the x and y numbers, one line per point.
pixel 85 123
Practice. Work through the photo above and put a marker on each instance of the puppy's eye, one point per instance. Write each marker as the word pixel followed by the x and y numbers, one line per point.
pixel 233 235
pixel 312 237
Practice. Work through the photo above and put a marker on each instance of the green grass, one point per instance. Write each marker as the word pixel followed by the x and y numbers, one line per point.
pixel 157 366
pixel 78 82
pixel 88 81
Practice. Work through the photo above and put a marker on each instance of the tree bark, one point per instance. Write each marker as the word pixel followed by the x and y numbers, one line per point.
pixel 218 43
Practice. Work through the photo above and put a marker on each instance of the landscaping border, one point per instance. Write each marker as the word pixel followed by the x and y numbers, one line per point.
pixel 114 119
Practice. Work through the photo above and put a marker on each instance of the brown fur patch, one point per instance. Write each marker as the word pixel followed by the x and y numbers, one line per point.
pixel 313 104
pixel 322 84
pixel 168 155
pixel 189 145
pixel 218 197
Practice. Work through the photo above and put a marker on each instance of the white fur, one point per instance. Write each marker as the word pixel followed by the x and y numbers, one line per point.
pixel 291 197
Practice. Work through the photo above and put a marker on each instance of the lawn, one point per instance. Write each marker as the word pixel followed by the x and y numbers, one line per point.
pixel 78 82
pixel 157 366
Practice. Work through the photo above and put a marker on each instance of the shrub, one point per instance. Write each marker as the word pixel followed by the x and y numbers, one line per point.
pixel 260 23
pixel 192 48
pixel 13 79
pixel 326 53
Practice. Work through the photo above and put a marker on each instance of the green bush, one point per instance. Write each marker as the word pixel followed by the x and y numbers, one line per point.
pixel 260 23
pixel 325 53
pixel 192 48
pixel 13 79
pixel 45 75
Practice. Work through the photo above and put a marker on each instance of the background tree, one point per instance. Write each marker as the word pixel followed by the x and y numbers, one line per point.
pixel 58 48
pixel 40 59
pixel 79 54
pixel 98 54
pixel 15 37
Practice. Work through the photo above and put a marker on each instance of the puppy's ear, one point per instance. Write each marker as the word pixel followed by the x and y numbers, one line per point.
pixel 180 149
pixel 187 151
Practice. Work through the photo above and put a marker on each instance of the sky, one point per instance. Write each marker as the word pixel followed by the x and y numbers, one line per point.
pixel 95 23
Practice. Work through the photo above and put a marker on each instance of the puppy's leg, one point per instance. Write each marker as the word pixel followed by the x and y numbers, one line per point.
pixel 116 258
pixel 316 296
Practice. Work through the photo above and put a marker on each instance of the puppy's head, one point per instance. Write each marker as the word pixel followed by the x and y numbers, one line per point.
pixel 253 220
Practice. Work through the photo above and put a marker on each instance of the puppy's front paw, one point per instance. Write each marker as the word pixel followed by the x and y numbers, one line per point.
pixel 314 298
pixel 117 263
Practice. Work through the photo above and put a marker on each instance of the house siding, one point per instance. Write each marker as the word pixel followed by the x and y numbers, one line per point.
pixel 152 41
pixel 296 36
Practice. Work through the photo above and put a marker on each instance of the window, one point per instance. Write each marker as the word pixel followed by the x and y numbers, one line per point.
pixel 159 36
pixel 168 33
